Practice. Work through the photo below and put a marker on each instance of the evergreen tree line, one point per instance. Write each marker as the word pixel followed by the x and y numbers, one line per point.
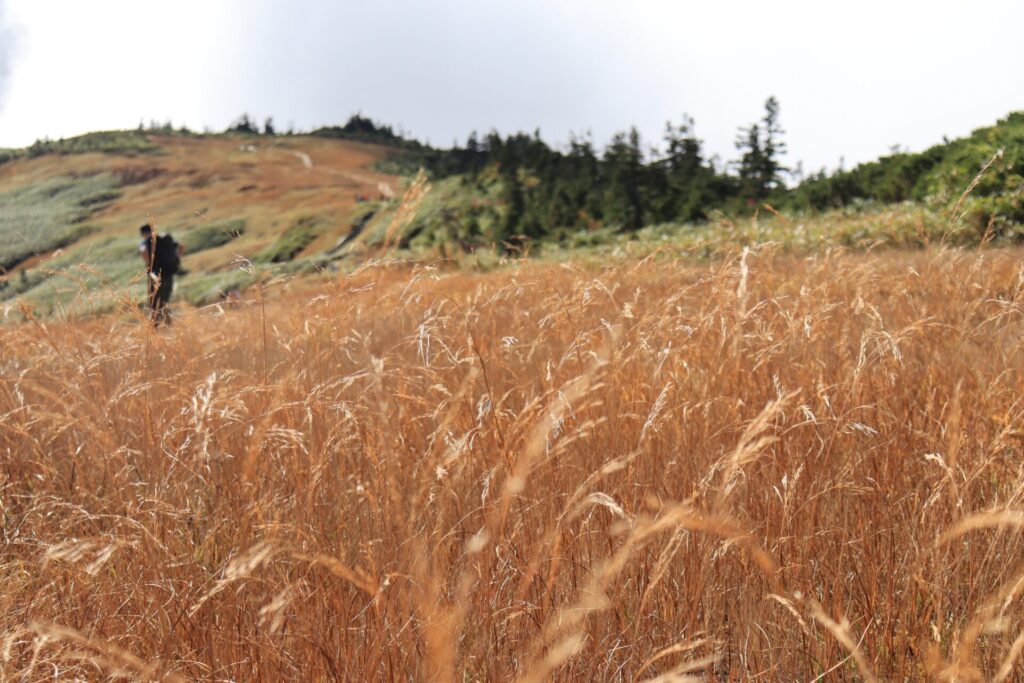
pixel 545 190
pixel 624 185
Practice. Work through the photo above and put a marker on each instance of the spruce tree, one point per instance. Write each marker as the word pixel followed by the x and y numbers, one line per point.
pixel 751 162
pixel 687 179
pixel 515 207
pixel 761 145
pixel 774 147
pixel 624 163
pixel 243 124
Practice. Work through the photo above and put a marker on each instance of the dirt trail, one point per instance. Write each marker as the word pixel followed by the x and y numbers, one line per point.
pixel 306 161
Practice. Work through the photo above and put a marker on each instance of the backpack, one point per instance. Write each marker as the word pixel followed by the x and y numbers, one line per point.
pixel 165 256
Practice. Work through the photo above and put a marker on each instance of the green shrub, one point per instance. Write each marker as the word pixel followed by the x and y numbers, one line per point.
pixel 454 212
pixel 211 235
pixel 939 176
pixel 10 155
pixel 128 142
pixel 292 241
pixel 200 289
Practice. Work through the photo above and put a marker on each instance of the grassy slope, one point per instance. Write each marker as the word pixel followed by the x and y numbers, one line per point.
pixel 190 186
pixel 939 175
pixel 46 215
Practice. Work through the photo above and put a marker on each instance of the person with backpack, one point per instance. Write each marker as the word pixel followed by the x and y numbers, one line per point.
pixel 162 256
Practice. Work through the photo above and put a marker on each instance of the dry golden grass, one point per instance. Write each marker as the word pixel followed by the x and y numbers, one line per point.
pixel 768 468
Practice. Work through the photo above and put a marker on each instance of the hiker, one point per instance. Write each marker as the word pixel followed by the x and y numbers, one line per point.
pixel 162 256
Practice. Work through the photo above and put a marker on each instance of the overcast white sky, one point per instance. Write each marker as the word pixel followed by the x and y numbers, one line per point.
pixel 853 78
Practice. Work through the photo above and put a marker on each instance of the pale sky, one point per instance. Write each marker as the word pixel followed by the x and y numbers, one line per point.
pixel 853 78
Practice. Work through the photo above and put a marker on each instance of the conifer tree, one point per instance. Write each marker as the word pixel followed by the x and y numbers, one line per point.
pixel 761 145
pixel 515 207
pixel 687 179
pixel 243 124
pixel 624 161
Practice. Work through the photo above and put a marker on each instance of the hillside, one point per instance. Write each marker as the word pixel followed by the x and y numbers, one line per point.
pixel 269 200
pixel 252 207
pixel 939 175
pixel 520 193
pixel 555 194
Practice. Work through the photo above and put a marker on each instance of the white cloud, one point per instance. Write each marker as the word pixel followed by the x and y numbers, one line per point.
pixel 852 78
pixel 109 64
pixel 7 39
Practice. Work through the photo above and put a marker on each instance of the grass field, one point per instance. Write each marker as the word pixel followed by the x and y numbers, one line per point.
pixel 763 467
